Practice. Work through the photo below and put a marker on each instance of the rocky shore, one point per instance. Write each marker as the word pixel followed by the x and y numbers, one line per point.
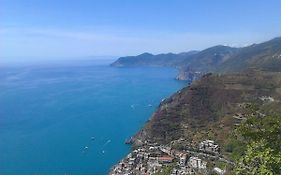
pixel 188 75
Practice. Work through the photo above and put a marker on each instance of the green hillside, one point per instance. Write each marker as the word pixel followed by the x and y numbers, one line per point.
pixel 264 56
pixel 206 108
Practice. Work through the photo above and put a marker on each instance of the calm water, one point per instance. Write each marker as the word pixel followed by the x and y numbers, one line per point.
pixel 49 114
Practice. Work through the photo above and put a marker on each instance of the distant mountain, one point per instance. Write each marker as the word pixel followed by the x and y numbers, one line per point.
pixel 232 80
pixel 264 56
pixel 245 75
pixel 209 59
pixel 147 59
pixel 204 60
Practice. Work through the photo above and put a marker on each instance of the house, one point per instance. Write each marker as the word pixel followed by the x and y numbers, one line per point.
pixel 209 146
pixel 152 160
pixel 267 99
pixel 154 167
pixel 219 171
pixel 176 153
pixel 165 149
pixel 183 160
pixel 182 171
pixel 197 163
pixel 165 159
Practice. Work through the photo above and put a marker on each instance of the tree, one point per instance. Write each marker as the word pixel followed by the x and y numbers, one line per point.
pixel 262 137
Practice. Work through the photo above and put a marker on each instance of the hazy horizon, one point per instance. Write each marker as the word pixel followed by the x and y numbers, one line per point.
pixel 70 105
pixel 68 29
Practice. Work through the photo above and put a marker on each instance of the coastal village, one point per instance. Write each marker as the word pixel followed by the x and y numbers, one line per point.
pixel 180 157
pixel 150 159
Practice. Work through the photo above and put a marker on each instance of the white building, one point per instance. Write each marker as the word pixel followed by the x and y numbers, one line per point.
pixel 197 163
pixel 154 168
pixel 267 99
pixel 166 149
pixel 219 171
pixel 209 146
pixel 183 160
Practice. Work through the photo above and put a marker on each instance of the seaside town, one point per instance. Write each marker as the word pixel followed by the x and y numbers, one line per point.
pixel 154 158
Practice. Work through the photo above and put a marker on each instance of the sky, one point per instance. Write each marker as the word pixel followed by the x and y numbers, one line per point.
pixel 45 29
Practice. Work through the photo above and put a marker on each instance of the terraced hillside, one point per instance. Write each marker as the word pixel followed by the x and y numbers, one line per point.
pixel 211 107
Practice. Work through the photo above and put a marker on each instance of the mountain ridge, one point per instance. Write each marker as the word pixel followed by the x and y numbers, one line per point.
pixel 220 59
pixel 148 59
pixel 213 106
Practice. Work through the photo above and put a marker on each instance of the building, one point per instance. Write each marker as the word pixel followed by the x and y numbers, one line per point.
pixel 183 160
pixel 165 149
pixel 267 99
pixel 209 146
pixel 197 163
pixel 165 159
pixel 219 171
pixel 154 168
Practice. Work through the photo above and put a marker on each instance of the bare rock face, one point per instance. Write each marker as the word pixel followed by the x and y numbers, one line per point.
pixel 188 75
pixel 182 75
pixel 140 138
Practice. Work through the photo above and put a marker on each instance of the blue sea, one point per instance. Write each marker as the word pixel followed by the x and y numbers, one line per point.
pixel 73 118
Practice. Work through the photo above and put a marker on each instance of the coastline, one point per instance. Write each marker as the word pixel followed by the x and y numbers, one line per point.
pixel 137 145
pixel 189 131
pixel 95 101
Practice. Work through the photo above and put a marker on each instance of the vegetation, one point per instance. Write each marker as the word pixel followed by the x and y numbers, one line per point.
pixel 147 59
pixel 205 110
pixel 223 59
pixel 166 171
pixel 261 136
pixel 210 108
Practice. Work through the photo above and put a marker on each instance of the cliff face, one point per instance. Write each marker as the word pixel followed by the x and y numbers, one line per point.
pixel 188 75
pixel 207 107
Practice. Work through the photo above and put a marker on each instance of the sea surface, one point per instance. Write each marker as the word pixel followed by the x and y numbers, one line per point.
pixel 73 118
